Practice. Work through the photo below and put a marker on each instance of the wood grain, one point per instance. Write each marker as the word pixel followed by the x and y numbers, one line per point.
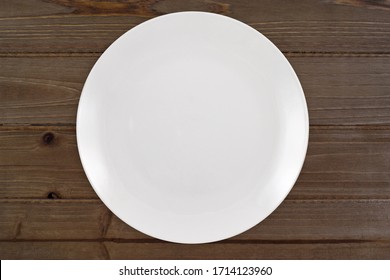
pixel 41 90
pixel 53 250
pixel 250 251
pixel 43 181
pixel 310 220
pixel 64 26
pixel 339 90
pixel 345 91
pixel 321 220
pixel 343 162
pixel 153 251
pixel 383 4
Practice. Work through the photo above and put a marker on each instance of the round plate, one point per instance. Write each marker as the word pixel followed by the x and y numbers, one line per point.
pixel 192 127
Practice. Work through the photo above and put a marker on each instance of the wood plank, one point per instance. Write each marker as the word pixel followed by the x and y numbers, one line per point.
pixel 41 161
pixel 53 250
pixel 315 220
pixel 49 219
pixel 153 251
pixel 38 146
pixel 42 181
pixel 343 162
pixel 339 90
pixel 41 90
pixel 345 91
pixel 370 250
pixel 90 26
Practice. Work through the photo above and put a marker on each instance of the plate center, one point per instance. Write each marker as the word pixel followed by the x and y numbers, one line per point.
pixel 193 128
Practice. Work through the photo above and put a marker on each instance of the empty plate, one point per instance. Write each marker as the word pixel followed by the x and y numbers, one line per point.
pixel 192 127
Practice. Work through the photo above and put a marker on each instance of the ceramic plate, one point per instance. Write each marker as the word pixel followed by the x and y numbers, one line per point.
pixel 192 127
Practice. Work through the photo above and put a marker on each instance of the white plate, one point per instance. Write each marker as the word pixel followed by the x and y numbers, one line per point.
pixel 192 127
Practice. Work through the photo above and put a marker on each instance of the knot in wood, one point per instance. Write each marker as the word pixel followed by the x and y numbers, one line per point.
pixel 48 138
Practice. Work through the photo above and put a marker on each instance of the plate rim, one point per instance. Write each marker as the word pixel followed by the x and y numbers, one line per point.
pixel 305 136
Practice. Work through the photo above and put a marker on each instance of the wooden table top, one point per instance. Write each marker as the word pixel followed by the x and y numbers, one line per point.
pixel 338 209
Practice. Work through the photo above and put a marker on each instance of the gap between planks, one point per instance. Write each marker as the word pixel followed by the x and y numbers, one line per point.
pixel 225 241
pixel 288 54
pixel 72 126
pixel 95 200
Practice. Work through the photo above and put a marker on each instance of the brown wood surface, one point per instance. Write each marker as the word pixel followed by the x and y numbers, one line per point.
pixel 338 209
pixel 303 220
pixel 342 162
pixel 65 26
pixel 339 90
pixel 152 250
